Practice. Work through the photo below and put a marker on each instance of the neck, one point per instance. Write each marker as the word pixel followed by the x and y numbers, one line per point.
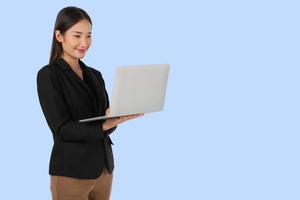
pixel 73 62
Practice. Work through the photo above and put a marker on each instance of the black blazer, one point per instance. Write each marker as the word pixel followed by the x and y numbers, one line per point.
pixel 80 150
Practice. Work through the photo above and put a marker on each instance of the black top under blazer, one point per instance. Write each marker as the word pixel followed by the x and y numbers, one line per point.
pixel 80 150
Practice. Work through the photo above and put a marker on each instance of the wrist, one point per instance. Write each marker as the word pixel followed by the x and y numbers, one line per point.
pixel 104 127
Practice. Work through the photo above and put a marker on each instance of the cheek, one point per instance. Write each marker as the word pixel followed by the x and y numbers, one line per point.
pixel 74 43
pixel 89 43
pixel 71 43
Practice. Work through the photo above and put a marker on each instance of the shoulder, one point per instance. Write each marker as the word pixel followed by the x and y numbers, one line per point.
pixel 47 70
pixel 95 71
pixel 47 75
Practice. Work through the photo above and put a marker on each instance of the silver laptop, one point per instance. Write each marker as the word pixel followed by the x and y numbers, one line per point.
pixel 137 89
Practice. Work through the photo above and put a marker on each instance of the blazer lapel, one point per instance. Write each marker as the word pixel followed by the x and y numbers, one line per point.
pixel 99 89
pixel 65 66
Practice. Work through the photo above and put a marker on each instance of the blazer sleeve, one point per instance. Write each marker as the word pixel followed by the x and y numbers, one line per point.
pixel 100 79
pixel 57 113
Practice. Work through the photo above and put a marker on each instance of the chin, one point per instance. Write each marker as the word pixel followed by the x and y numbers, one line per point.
pixel 79 56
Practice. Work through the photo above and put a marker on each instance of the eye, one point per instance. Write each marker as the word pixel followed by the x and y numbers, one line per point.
pixel 77 36
pixel 89 36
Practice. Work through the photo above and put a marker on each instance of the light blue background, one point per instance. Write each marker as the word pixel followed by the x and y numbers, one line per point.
pixel 230 126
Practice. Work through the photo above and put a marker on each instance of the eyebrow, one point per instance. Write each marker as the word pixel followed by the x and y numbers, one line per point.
pixel 81 32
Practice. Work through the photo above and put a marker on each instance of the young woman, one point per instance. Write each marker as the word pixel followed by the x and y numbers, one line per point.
pixel 81 164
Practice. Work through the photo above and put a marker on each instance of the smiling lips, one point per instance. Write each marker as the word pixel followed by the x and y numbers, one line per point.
pixel 81 50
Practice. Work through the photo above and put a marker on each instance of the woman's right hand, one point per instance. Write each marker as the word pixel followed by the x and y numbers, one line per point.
pixel 112 122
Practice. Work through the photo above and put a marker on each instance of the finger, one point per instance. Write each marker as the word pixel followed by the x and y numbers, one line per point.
pixel 135 115
pixel 128 117
pixel 121 119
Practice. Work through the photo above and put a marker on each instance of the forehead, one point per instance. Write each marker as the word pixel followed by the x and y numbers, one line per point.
pixel 83 26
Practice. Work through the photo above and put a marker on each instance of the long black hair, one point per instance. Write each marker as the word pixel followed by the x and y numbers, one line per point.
pixel 66 18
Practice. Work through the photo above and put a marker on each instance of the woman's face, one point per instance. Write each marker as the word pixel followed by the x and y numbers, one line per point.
pixel 76 40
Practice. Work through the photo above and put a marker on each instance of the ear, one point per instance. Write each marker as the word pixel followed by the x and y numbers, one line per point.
pixel 59 37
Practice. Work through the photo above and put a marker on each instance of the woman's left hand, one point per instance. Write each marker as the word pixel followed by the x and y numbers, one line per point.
pixel 112 122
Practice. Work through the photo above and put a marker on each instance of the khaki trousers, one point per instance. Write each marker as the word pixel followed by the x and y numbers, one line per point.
pixel 67 188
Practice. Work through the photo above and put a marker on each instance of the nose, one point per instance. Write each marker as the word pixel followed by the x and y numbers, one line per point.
pixel 84 42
